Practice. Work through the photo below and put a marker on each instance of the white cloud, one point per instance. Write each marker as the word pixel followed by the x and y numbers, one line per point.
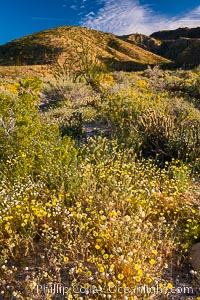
pixel 73 7
pixel 129 16
pixel 191 19
pixel 90 14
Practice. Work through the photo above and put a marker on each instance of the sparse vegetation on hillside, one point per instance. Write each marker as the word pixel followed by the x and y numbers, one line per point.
pixel 45 47
pixel 185 32
pixel 181 46
pixel 133 52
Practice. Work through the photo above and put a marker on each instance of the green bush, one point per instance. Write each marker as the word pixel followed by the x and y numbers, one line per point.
pixel 31 147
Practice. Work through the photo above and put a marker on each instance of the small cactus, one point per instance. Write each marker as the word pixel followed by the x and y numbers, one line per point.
pixel 157 129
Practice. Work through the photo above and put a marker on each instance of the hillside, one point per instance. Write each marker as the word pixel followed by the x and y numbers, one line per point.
pixel 141 40
pixel 192 33
pixel 46 46
pixel 182 46
pixel 178 48
pixel 183 51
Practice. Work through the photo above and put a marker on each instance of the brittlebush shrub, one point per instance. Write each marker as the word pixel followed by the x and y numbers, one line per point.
pixel 31 148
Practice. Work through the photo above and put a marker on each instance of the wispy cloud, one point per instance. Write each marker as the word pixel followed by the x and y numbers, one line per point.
pixel 74 7
pixel 129 16
pixel 189 19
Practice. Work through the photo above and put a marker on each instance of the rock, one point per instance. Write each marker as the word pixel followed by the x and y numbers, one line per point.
pixel 194 257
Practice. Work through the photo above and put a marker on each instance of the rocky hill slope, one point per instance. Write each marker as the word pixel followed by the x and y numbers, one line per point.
pixel 46 46
pixel 182 46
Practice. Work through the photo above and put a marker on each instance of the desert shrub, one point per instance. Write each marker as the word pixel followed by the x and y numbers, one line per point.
pixel 171 135
pixel 18 113
pixel 55 93
pixel 179 83
pixel 29 146
pixel 154 124
pixel 157 129
pixel 82 65
pixel 72 95
pixel 73 126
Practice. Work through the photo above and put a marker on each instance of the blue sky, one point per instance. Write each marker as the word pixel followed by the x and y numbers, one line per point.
pixel 22 17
